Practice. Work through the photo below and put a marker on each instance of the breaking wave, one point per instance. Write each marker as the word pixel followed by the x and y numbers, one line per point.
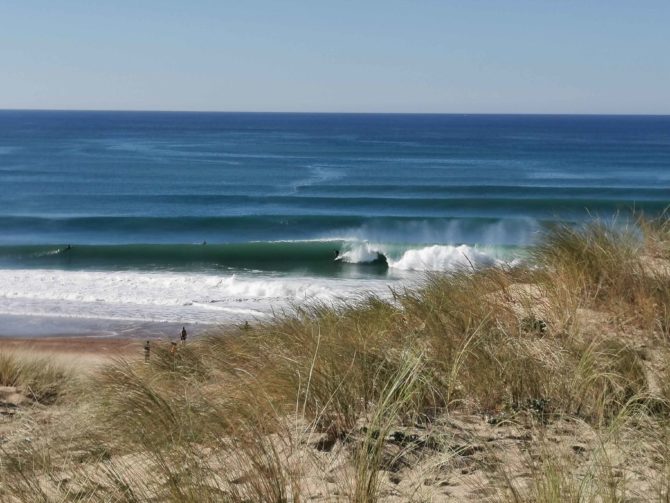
pixel 443 258
pixel 323 258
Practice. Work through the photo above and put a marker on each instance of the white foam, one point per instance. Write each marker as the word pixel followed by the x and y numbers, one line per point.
pixel 165 296
pixel 439 258
pixel 57 251
pixel 442 258
pixel 199 297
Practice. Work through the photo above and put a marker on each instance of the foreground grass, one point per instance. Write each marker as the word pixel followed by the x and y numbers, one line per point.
pixel 546 382
pixel 41 378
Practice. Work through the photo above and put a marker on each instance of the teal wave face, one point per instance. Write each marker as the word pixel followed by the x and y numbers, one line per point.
pixel 316 257
pixel 329 258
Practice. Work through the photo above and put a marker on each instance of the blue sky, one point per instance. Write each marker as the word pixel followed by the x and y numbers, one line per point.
pixel 470 56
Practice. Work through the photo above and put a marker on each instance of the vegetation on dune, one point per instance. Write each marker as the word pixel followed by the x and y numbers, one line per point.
pixel 338 401
pixel 40 378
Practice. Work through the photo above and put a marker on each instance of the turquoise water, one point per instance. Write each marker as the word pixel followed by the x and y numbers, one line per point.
pixel 104 214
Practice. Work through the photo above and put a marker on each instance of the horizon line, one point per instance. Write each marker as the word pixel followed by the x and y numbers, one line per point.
pixel 289 112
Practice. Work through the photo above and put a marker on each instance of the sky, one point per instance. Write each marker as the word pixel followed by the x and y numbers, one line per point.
pixel 467 56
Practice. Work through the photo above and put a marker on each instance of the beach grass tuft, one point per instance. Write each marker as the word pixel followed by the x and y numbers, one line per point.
pixel 38 377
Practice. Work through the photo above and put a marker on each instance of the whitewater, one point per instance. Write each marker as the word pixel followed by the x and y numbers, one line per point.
pixel 213 297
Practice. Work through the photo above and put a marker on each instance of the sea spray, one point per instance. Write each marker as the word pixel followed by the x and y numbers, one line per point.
pixel 443 258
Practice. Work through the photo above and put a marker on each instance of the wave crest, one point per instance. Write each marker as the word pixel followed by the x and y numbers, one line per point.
pixel 442 258
pixel 430 258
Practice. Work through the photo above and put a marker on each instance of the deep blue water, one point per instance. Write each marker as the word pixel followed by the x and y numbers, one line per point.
pixel 407 181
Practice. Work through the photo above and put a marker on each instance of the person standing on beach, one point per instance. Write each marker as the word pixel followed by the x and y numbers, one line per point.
pixel 147 351
pixel 183 335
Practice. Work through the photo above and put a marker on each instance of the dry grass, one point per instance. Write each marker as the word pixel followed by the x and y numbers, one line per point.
pixel 40 377
pixel 343 403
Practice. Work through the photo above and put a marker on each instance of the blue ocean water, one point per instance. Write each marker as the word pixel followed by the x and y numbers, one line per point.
pixel 136 194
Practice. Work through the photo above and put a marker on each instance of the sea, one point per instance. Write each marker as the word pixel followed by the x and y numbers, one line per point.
pixel 136 223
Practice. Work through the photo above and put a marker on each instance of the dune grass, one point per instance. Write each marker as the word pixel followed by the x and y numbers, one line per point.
pixel 333 401
pixel 39 377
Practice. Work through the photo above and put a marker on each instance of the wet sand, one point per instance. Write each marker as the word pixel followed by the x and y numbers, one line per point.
pixel 92 344
pixel 38 327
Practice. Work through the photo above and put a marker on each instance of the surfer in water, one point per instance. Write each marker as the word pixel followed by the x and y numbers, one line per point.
pixel 380 260
pixel 336 253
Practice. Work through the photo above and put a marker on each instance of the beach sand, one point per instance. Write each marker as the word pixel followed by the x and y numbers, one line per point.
pixel 82 351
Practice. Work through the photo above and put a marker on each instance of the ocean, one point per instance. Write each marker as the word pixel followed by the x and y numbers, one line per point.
pixel 112 222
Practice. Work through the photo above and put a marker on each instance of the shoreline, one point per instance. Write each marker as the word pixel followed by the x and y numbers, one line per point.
pixel 93 348
pixel 48 327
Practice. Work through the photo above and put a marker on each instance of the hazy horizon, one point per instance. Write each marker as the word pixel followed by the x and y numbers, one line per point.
pixel 320 112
